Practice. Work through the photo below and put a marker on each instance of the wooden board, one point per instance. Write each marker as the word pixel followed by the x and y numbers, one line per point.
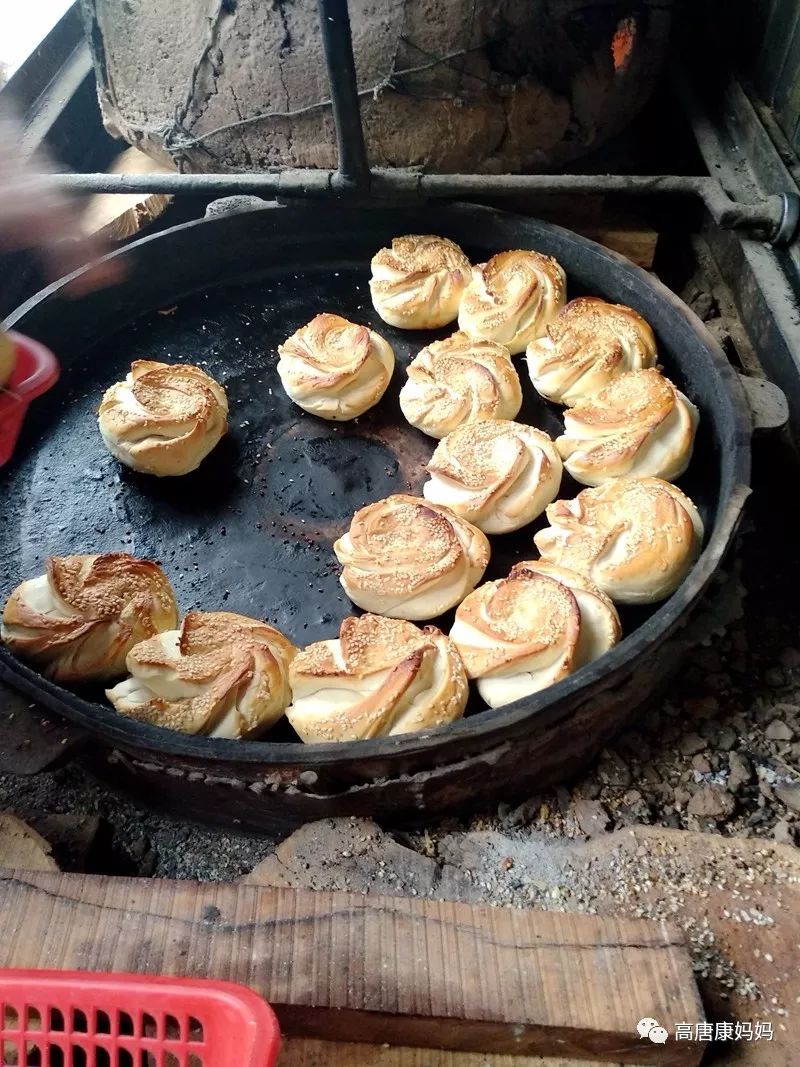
pixel 306 1052
pixel 119 215
pixel 636 242
pixel 382 970
pixel 737 899
pixel 621 231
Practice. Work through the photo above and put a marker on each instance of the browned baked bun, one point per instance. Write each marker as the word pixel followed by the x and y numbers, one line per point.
pixel 460 380
pixel 497 474
pixel 531 629
pixel 512 298
pixel 417 283
pixel 164 418
pixel 586 346
pixel 382 677
pixel 219 675
pixel 335 369
pixel 410 559
pixel 79 619
pixel 636 538
pixel 639 425
pixel 7 357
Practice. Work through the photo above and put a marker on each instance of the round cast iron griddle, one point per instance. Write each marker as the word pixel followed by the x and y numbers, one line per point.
pixel 251 530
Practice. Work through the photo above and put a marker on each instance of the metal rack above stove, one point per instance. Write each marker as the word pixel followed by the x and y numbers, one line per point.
pixel 773 218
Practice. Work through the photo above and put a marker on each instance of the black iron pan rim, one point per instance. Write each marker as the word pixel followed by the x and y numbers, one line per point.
pixel 491 725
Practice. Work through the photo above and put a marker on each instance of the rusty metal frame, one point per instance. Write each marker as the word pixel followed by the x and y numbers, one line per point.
pixel 773 218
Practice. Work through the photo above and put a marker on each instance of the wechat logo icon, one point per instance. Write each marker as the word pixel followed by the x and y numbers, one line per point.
pixel 651 1028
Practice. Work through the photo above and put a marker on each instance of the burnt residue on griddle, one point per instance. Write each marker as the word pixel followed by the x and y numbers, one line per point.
pixel 251 530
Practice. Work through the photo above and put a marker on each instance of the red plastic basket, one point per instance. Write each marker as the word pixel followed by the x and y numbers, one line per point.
pixel 77 1019
pixel 35 371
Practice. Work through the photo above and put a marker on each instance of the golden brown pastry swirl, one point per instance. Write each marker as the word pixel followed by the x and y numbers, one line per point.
pixel 417 283
pixel 512 298
pixel 409 559
pixel 163 419
pixel 460 380
pixel 635 538
pixel 8 357
pixel 382 677
pixel 79 619
pixel 497 474
pixel 533 628
pixel 219 675
pixel 587 346
pixel 335 369
pixel 639 425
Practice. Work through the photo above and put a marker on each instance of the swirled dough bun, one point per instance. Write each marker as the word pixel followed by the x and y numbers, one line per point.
pixel 522 634
pixel 512 298
pixel 417 283
pixel 635 538
pixel 79 619
pixel 587 346
pixel 219 675
pixel 335 369
pixel 409 559
pixel 639 425
pixel 380 678
pixel 459 380
pixel 164 418
pixel 497 474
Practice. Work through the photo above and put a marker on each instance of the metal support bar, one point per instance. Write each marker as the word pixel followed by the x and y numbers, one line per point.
pixel 337 43
pixel 766 219
pixel 729 128
pixel 734 162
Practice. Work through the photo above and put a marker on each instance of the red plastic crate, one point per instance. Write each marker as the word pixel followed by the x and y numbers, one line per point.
pixel 78 1019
